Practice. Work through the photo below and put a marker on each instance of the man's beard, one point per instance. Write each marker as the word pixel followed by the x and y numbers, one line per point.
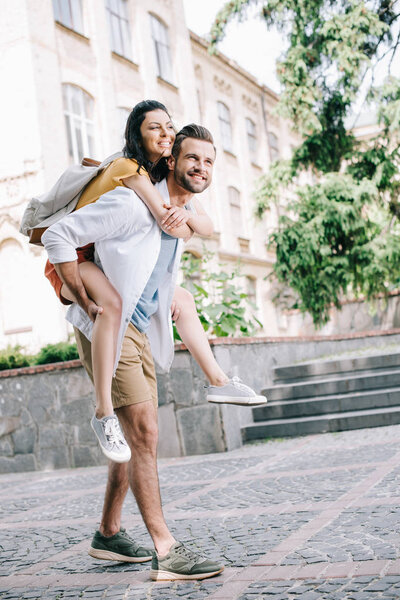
pixel 193 186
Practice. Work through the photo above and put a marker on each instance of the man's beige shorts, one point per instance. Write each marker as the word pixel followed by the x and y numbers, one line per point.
pixel 135 380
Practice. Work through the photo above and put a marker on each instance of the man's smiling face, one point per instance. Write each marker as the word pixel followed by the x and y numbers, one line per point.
pixel 194 165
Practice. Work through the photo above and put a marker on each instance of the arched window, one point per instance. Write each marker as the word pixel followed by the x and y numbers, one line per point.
pixel 16 277
pixel 118 24
pixel 235 210
pixel 123 114
pixel 225 126
pixel 160 36
pixel 273 145
pixel 69 13
pixel 251 289
pixel 251 137
pixel 78 111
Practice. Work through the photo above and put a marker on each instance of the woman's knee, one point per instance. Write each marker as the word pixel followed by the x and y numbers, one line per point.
pixel 112 306
pixel 184 300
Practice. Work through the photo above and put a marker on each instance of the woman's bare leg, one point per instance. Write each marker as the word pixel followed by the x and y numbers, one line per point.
pixel 193 336
pixel 105 332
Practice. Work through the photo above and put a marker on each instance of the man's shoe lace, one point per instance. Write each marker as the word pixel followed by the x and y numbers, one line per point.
pixel 189 554
pixel 126 535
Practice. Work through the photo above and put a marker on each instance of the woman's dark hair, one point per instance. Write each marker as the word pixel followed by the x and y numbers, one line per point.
pixel 133 140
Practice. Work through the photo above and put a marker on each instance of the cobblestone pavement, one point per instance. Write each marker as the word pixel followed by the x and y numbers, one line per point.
pixel 308 518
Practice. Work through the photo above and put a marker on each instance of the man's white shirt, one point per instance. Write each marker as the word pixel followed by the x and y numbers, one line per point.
pixel 127 244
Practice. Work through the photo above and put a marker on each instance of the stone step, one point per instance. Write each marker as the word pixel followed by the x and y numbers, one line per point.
pixel 328 404
pixel 320 369
pixel 340 421
pixel 338 385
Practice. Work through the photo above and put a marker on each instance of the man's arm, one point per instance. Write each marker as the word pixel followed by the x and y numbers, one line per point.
pixel 89 224
pixel 69 274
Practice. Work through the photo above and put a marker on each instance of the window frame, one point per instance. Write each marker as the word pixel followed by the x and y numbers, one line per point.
pixel 252 140
pixel 162 48
pixel 74 21
pixel 119 18
pixel 225 126
pixel 78 121
pixel 123 113
pixel 273 147
pixel 235 209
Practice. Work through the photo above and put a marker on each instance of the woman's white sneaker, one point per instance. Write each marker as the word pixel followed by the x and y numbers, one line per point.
pixel 111 438
pixel 234 392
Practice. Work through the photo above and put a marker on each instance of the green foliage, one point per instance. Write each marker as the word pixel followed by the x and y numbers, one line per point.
pixel 341 235
pixel 13 357
pixel 56 353
pixel 222 307
pixel 330 245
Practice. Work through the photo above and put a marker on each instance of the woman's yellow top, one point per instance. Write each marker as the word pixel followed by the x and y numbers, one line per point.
pixel 109 179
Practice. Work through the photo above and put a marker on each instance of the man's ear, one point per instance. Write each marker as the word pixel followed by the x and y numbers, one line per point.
pixel 171 163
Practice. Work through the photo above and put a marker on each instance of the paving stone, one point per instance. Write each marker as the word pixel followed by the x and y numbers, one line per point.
pixel 260 513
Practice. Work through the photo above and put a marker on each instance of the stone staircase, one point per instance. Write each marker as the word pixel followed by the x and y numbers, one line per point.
pixel 329 395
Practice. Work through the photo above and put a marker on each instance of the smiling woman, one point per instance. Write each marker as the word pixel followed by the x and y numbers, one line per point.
pixel 158 134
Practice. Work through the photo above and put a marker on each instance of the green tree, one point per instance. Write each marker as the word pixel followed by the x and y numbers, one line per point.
pixel 340 235
pixel 223 308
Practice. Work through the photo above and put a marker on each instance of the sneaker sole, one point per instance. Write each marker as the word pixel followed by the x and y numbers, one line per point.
pixel 158 575
pixel 239 401
pixel 108 555
pixel 109 455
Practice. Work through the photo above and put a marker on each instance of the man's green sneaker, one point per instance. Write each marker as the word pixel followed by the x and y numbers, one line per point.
pixel 182 563
pixel 119 547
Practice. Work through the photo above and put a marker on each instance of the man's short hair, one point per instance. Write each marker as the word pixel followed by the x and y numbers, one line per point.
pixel 198 132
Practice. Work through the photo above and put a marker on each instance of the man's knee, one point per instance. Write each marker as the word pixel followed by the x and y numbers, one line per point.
pixel 139 422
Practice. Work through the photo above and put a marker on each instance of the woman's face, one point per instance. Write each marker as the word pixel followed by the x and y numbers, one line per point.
pixel 158 134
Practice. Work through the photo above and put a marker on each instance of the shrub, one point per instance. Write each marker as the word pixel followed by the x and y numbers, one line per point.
pixel 223 308
pixel 56 353
pixel 13 358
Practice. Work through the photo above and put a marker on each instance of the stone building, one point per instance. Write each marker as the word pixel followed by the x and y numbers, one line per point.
pixel 72 71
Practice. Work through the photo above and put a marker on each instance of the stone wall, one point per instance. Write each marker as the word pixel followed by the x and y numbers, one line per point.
pixel 45 411
pixel 383 314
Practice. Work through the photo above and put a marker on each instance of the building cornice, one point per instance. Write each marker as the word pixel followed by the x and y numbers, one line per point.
pixel 235 66
pixel 248 259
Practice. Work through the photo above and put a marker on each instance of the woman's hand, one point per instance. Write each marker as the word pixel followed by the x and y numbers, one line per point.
pixel 175 311
pixel 175 217
pixel 92 310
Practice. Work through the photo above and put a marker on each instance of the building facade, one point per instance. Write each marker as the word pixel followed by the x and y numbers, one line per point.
pixel 74 69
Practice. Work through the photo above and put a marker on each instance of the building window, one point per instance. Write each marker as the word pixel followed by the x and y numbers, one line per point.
pixel 162 49
pixel 78 111
pixel 69 13
pixel 123 114
pixel 251 289
pixel 251 137
pixel 273 146
pixel 224 117
pixel 235 210
pixel 118 23
pixel 16 315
